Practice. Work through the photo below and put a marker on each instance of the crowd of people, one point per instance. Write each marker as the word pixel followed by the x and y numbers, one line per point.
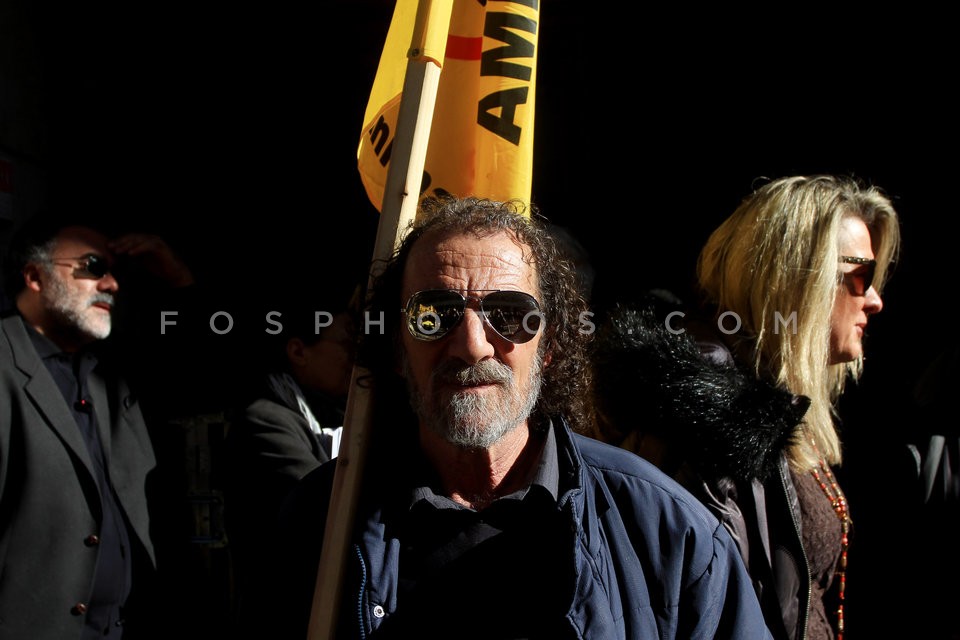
pixel 537 468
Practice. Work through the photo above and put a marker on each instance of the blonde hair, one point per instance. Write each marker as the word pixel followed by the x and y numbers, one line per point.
pixel 778 255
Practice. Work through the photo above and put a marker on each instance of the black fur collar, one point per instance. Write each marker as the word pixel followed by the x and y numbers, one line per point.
pixel 721 419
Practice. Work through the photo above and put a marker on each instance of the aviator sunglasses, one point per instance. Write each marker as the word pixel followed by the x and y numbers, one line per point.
pixel 91 266
pixel 433 313
pixel 859 281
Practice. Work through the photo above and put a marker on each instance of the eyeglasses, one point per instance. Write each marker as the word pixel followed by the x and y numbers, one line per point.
pixel 91 267
pixel 859 280
pixel 433 313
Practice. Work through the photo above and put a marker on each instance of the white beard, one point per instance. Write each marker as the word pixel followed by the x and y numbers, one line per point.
pixel 477 420
pixel 74 310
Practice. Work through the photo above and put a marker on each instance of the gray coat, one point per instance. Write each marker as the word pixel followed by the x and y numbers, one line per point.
pixel 49 501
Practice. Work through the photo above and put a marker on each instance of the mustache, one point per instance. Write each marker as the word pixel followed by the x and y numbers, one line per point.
pixel 101 296
pixel 484 372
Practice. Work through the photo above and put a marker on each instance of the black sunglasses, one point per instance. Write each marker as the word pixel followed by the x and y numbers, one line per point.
pixel 859 280
pixel 433 313
pixel 91 266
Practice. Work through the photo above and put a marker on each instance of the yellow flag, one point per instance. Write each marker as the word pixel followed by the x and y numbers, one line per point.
pixel 481 138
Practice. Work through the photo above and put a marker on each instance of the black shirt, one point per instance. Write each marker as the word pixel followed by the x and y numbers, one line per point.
pixel 493 573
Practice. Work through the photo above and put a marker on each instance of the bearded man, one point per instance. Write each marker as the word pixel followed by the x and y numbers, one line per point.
pixel 483 514
pixel 75 453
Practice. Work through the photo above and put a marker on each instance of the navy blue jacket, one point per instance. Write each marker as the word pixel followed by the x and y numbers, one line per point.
pixel 649 560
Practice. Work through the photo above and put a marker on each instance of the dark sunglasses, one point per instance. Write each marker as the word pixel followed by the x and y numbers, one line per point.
pixel 859 280
pixel 433 313
pixel 90 267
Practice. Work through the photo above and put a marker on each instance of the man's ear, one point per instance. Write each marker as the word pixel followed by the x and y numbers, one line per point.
pixel 31 277
pixel 296 351
pixel 547 358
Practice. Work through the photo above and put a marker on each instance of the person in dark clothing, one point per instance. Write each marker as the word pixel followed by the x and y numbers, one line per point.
pixel 482 513
pixel 75 455
pixel 712 426
pixel 292 426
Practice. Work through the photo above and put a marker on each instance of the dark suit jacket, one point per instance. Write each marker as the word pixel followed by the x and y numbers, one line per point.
pixel 268 449
pixel 49 501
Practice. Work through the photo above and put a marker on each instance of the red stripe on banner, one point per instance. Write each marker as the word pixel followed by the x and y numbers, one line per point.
pixel 463 48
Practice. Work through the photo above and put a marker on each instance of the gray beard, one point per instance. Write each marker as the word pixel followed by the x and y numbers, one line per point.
pixel 472 421
pixel 71 309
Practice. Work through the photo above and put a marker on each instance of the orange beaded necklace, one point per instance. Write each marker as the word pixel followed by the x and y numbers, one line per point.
pixel 839 503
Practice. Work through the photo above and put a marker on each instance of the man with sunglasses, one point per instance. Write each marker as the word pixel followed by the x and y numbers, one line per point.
pixel 483 514
pixel 74 449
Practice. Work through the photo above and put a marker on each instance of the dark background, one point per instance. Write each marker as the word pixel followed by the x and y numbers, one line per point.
pixel 232 131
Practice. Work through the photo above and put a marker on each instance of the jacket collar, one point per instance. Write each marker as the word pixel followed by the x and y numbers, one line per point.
pixel 46 396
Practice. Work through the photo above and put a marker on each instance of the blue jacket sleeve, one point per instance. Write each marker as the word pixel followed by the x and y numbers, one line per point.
pixel 725 597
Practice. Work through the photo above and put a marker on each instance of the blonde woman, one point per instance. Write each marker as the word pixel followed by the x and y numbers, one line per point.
pixel 793 277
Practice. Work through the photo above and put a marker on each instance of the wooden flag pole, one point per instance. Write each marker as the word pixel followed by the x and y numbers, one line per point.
pixel 401 197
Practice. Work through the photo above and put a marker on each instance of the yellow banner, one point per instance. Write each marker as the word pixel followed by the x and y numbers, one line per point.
pixel 481 139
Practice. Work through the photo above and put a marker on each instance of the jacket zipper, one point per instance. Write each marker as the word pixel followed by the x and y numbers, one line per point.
pixel 360 591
